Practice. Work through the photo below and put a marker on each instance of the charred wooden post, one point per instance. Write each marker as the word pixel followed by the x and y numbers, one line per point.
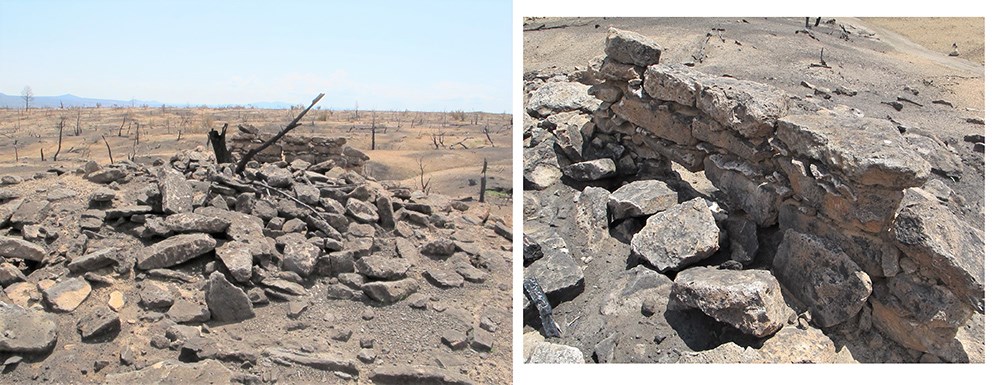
pixel 482 184
pixel 218 141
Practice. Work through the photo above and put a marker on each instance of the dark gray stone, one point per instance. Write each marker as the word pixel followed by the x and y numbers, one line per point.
pixel 175 250
pixel 226 302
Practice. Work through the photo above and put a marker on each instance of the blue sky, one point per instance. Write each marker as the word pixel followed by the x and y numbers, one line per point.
pixel 418 55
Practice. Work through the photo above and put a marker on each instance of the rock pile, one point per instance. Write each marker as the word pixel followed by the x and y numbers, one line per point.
pixel 152 262
pixel 861 239
pixel 292 147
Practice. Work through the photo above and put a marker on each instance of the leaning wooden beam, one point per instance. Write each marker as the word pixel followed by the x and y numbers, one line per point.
pixel 295 123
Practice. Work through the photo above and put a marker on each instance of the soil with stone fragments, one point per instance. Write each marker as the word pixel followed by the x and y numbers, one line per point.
pixel 244 284
pixel 615 305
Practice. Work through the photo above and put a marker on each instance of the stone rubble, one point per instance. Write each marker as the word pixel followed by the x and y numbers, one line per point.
pixel 810 207
pixel 172 259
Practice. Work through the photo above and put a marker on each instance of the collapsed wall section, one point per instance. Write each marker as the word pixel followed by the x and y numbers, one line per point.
pixel 840 183
pixel 290 147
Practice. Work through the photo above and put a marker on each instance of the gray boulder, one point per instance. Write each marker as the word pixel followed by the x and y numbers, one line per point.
pixel 591 170
pixel 388 292
pixel 681 235
pixel 824 279
pixel 943 243
pixel 382 267
pixel 26 331
pixel 226 302
pixel 641 198
pixel 750 300
pixel 631 48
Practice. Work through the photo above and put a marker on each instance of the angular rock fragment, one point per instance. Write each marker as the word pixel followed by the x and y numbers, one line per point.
pixel 18 248
pixel 439 248
pixel 321 361
pixel 67 295
pixel 26 331
pixel 196 223
pixel 31 212
pixel 382 267
pixel 750 300
pixel 237 259
pixel 555 97
pixel 681 235
pixel 443 277
pixel 226 302
pixel 94 260
pixel 640 198
pixel 185 311
pixel 175 191
pixel 937 240
pixel 631 48
pixel 549 353
pixel 826 280
pixel 362 211
pixel 390 291
pixel 174 250
pixel 98 323
pixel 300 256
pixel 591 170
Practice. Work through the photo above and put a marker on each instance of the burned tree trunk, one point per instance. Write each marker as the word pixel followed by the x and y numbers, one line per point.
pixel 218 140
pixel 55 157
pixel 482 184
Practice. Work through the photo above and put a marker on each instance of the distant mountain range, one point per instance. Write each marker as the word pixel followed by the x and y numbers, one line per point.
pixel 15 101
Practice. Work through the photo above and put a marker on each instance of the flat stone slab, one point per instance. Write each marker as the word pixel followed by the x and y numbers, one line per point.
pixel 67 295
pixel 196 223
pixel 678 237
pixel 865 150
pixel 750 300
pixel 555 97
pixel 176 373
pixel 26 331
pixel 557 272
pixel 11 247
pixel 411 374
pixel 549 353
pixel 175 250
pixel 94 260
pixel 826 280
pixel 321 360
